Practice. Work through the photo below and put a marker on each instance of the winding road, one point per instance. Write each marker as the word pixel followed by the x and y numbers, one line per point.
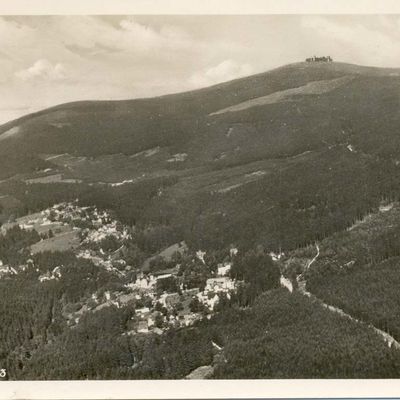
pixel 389 340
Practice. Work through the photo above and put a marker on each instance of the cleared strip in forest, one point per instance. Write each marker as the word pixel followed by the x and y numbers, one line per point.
pixel 310 88
pixel 389 339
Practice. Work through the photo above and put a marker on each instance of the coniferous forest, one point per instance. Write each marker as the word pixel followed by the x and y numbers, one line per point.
pixel 250 228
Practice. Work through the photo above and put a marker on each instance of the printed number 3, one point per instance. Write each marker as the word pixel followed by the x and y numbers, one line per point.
pixel 3 373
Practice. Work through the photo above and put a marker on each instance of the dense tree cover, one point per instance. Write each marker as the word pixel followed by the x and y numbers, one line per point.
pixel 194 273
pixel 257 268
pixel 287 335
pixel 357 269
pixel 30 317
pixel 33 313
pixel 159 263
pixel 292 206
pixel 92 128
pixel 368 292
pixel 281 336
pixel 126 203
pixel 15 243
pixel 258 273
pixel 312 185
pixel 109 244
pixel 295 204
pixel 9 206
pixel 17 162
pixel 196 306
pixel 39 344
pixel 169 285
pixel 97 349
pixel 132 254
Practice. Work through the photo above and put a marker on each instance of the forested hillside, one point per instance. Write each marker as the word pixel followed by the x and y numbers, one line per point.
pixel 290 177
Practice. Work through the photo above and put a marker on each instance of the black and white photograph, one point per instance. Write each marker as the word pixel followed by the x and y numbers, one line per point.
pixel 199 197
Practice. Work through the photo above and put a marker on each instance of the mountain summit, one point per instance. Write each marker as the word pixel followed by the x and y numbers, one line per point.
pixel 268 140
pixel 249 225
pixel 273 113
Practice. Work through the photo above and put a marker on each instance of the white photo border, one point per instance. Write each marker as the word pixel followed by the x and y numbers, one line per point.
pixel 215 389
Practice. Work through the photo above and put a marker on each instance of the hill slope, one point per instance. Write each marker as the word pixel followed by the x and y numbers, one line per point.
pixel 275 157
pixel 183 120
pixel 303 160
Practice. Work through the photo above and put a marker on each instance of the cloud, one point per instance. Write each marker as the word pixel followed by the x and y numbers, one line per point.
pixel 12 32
pixel 128 35
pixel 47 60
pixel 224 71
pixel 358 39
pixel 43 69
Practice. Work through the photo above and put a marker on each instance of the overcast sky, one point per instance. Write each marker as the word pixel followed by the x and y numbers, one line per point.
pixel 45 61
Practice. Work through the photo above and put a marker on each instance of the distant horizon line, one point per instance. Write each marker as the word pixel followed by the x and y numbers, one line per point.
pixel 75 102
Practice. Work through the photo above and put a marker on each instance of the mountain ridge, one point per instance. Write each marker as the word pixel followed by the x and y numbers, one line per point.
pixel 354 68
pixel 264 157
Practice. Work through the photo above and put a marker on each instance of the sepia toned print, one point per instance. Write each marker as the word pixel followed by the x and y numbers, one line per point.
pixel 199 197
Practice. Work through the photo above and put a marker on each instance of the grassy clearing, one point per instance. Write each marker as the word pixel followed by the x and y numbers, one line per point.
pixel 318 87
pixel 62 242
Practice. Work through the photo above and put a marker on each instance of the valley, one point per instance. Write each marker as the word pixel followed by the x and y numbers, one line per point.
pixel 259 216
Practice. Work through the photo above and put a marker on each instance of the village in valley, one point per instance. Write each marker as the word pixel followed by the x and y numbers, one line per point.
pixel 163 290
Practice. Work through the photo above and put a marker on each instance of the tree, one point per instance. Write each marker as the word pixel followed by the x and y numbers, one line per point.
pixel 158 320
pixel 195 305
pixel 257 270
pixel 168 285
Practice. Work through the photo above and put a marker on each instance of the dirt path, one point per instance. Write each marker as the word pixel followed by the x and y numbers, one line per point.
pixel 314 259
pixel 301 282
pixel 388 339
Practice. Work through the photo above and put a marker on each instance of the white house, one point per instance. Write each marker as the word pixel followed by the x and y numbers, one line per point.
pixel 143 328
pixel 200 255
pixel 286 283
pixel 45 277
pixel 150 322
pixel 223 269
pixel 142 310
pixel 276 256
pixel 212 302
pixel 221 284
pixel 143 282
pixel 233 251
pixel 27 227
pixel 163 276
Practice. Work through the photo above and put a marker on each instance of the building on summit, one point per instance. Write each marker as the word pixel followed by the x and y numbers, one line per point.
pixel 319 59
